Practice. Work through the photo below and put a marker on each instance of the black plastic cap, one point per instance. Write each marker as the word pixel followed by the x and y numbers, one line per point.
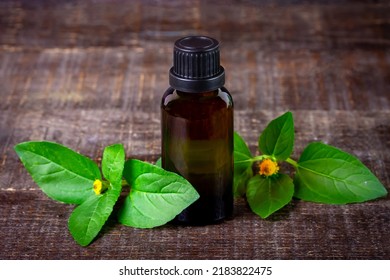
pixel 196 65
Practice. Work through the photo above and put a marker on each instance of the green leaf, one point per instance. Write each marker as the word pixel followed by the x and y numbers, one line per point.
pixel 242 165
pixel 61 173
pixel 156 196
pixel 88 218
pixel 158 162
pixel 241 150
pixel 113 162
pixel 240 181
pixel 328 175
pixel 266 195
pixel 277 139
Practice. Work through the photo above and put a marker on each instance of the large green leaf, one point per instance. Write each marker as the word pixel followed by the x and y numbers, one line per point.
pixel 88 218
pixel 277 139
pixel 241 150
pixel 242 165
pixel 61 173
pixel 156 196
pixel 328 175
pixel 113 162
pixel 269 194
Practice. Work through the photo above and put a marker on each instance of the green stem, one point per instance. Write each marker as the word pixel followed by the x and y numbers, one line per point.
pixel 292 162
pixel 259 158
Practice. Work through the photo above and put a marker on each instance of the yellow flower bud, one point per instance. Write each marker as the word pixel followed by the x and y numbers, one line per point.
pixel 268 167
pixel 97 186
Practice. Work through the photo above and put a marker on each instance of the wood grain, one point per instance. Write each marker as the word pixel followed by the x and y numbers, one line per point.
pixel 92 73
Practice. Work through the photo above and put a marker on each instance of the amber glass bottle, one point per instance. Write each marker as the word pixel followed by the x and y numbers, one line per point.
pixel 197 128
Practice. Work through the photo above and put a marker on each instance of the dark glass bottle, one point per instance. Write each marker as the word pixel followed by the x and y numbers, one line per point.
pixel 197 128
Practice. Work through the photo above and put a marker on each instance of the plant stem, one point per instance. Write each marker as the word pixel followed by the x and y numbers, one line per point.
pixel 292 162
pixel 259 158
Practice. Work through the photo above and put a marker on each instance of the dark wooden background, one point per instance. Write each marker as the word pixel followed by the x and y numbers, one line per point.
pixel 91 73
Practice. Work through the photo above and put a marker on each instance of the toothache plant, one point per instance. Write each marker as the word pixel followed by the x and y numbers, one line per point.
pixel 323 174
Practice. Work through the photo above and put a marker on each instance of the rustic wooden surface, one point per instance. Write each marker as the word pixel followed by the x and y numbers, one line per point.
pixel 91 73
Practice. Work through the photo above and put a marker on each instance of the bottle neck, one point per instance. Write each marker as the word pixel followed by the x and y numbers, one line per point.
pixel 196 84
pixel 211 93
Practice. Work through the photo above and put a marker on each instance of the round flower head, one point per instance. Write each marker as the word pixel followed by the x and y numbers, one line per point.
pixel 97 186
pixel 268 167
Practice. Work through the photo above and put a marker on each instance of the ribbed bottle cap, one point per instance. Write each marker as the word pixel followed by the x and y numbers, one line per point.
pixel 196 65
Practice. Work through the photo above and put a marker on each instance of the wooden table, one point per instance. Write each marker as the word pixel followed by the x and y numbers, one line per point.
pixel 91 73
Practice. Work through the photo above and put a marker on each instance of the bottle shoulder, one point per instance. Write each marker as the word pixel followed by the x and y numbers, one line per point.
pixel 225 95
pixel 174 97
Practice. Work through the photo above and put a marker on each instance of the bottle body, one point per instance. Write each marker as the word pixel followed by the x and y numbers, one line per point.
pixel 197 143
